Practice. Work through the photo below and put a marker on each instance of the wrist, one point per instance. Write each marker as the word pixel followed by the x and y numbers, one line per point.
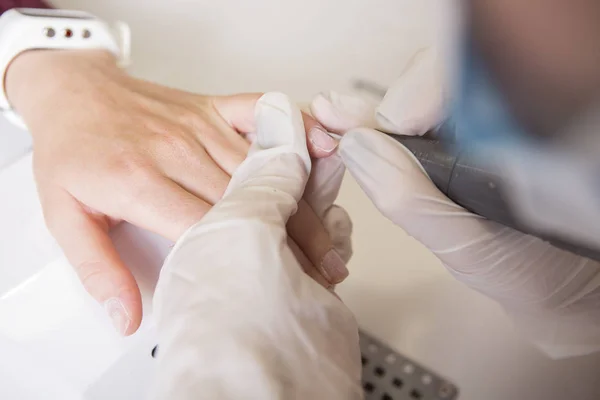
pixel 36 76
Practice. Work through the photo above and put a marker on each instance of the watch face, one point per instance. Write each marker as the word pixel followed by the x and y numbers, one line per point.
pixel 40 12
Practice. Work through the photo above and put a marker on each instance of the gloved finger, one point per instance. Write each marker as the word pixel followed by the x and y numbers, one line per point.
pixel 466 243
pixel 321 192
pixel 416 101
pixel 270 182
pixel 399 187
pixel 238 111
pixel 324 183
pixel 85 241
pixel 414 104
pixel 339 113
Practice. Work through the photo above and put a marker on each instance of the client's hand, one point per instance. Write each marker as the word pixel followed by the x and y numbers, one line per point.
pixel 110 148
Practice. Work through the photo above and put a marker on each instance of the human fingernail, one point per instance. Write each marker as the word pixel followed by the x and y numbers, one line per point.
pixel 118 314
pixel 334 267
pixel 321 140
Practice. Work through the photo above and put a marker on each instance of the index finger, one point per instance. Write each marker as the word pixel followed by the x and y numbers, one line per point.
pixel 238 111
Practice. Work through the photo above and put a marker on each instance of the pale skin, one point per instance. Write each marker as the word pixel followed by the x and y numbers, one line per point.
pixel 111 148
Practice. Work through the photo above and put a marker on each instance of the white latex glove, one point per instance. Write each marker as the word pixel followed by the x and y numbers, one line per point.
pixel 237 317
pixel 413 105
pixel 553 295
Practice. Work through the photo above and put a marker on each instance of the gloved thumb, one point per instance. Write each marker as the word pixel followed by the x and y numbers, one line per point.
pixel 271 181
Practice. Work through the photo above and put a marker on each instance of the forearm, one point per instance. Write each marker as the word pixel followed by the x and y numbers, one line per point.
pixel 37 80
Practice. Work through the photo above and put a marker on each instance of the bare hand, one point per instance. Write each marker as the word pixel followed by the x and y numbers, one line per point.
pixel 111 148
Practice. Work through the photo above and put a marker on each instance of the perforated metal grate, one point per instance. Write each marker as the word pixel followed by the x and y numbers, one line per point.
pixel 388 375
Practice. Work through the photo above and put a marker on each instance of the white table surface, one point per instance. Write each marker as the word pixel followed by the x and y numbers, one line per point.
pixel 397 289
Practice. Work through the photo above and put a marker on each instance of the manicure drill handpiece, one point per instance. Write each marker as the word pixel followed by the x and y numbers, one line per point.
pixel 468 182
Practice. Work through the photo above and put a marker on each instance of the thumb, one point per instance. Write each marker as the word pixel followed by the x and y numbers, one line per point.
pixel 271 181
pixel 86 243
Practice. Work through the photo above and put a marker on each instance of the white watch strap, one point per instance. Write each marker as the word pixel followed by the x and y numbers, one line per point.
pixel 28 29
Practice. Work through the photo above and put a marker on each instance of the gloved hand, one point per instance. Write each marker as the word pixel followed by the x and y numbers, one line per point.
pixel 236 315
pixel 415 103
pixel 553 295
